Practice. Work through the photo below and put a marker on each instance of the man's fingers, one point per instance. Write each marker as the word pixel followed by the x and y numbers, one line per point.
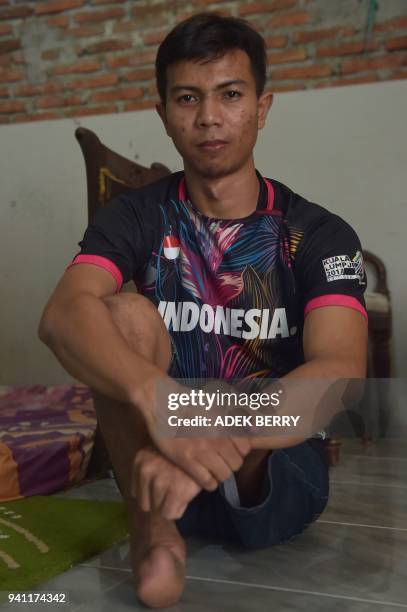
pixel 144 489
pixel 242 444
pixel 218 467
pixel 158 490
pixel 199 473
pixel 231 456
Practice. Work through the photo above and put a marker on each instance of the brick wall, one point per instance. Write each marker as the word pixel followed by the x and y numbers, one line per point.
pixel 67 58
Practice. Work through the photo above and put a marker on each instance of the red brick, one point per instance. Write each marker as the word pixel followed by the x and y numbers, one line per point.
pixel 4 92
pixel 57 6
pixel 152 89
pixel 265 7
pixel 374 63
pixel 106 45
pixel 95 16
pixel 185 15
pixel 11 76
pixel 117 94
pixel 349 48
pixel 4 120
pixel 339 82
pixel 289 19
pixel 9 45
pixel 144 74
pixel 285 88
pixel 85 31
pixel 290 55
pixel 397 23
pixel 394 44
pixel 301 72
pixel 11 59
pixel 12 106
pixel 368 78
pixel 5 29
pixel 50 54
pixel 35 90
pixel 98 2
pixel 142 105
pixel 57 102
pixel 97 110
pixel 273 42
pixel 105 80
pixel 154 38
pixel 399 74
pixel 61 21
pixel 16 12
pixel 77 68
pixel 154 9
pixel 313 35
pixel 36 117
pixel 147 57
pixel 203 3
pixel 152 15
pixel 126 26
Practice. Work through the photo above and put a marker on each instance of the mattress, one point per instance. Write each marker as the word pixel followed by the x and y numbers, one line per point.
pixel 46 438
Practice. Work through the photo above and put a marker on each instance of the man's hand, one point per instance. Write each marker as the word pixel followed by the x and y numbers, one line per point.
pixel 208 461
pixel 159 485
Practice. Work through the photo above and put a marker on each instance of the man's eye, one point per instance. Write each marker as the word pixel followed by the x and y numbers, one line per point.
pixel 186 98
pixel 233 94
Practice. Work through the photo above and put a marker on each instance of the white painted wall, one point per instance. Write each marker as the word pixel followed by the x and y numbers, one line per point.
pixel 344 148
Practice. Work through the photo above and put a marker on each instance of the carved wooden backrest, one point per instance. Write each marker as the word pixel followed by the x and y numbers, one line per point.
pixel 109 174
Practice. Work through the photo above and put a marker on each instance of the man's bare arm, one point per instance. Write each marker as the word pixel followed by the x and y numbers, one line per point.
pixel 78 328
pixel 335 350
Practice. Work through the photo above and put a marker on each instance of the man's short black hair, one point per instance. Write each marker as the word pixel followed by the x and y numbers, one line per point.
pixel 208 36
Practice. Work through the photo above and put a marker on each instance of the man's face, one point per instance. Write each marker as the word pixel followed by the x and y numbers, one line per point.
pixel 213 114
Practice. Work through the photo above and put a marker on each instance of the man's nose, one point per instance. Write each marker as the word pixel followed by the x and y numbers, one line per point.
pixel 209 112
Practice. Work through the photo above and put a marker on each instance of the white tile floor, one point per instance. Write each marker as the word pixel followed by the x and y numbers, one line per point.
pixel 353 559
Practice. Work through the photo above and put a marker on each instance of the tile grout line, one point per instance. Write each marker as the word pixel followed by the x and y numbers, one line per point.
pixel 362 525
pixel 374 457
pixel 107 567
pixel 81 606
pixel 268 587
pixel 367 484
pixel 302 591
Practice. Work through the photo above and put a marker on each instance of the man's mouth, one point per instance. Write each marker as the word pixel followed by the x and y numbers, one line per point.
pixel 212 145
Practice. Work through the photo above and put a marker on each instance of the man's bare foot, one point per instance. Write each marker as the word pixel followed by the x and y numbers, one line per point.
pixel 158 556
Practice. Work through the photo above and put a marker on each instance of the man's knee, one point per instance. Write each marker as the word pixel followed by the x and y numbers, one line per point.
pixel 141 325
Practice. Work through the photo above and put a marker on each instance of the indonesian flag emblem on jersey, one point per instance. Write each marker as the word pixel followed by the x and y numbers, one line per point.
pixel 171 246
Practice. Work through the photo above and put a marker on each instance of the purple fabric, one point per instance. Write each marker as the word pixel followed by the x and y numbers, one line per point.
pixel 46 436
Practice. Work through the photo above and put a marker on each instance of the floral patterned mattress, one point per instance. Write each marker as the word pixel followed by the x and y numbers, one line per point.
pixel 46 438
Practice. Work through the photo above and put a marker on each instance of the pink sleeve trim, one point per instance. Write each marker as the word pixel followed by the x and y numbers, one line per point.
pixel 335 300
pixel 102 262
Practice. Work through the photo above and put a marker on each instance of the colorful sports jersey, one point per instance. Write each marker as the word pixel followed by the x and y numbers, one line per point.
pixel 233 293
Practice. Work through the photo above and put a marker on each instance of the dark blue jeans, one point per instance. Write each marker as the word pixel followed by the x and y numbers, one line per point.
pixel 296 486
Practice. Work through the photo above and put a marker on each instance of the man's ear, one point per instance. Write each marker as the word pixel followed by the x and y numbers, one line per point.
pixel 160 108
pixel 264 105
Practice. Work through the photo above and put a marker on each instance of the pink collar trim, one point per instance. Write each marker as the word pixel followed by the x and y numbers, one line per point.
pixel 182 194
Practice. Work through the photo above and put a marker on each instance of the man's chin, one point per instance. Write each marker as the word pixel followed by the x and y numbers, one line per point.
pixel 213 171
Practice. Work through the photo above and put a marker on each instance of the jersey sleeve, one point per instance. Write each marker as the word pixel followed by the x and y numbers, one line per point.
pixel 329 266
pixel 115 240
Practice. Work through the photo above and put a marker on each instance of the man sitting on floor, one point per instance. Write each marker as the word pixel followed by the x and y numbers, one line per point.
pixel 237 277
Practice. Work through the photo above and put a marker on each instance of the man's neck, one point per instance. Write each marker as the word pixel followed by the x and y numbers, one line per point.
pixel 230 197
